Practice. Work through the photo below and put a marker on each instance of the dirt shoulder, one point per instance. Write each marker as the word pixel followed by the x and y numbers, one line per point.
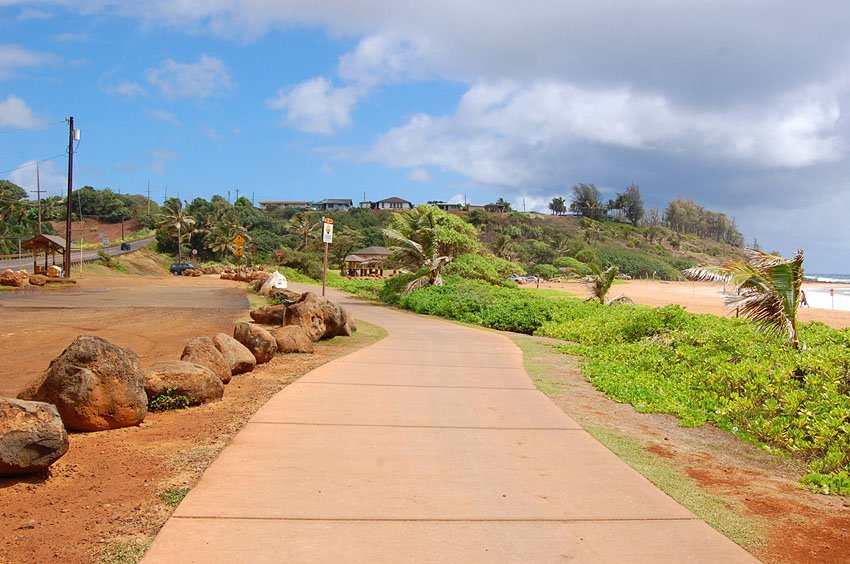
pixel 109 495
pixel 747 494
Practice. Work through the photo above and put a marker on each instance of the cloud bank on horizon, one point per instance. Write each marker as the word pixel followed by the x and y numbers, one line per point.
pixel 737 104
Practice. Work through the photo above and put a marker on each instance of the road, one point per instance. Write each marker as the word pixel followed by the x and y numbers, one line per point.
pixel 76 256
pixel 432 445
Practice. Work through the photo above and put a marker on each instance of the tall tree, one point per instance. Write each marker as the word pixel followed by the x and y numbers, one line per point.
pixel 428 238
pixel 587 201
pixel 558 205
pixel 174 218
pixel 304 225
pixel 631 203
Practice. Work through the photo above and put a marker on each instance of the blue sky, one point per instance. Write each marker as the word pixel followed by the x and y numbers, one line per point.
pixel 739 105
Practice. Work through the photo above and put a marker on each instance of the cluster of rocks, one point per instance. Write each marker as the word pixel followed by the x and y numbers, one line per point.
pixel 17 278
pixel 95 385
pixel 245 274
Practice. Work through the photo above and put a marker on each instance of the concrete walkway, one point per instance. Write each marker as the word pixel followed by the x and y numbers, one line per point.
pixel 430 446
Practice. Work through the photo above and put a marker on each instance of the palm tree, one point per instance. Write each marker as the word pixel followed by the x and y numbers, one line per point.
pixel 175 216
pixel 768 289
pixel 303 224
pixel 413 240
pixel 599 281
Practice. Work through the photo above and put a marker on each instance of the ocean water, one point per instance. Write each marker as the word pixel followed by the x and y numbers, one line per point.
pixel 832 291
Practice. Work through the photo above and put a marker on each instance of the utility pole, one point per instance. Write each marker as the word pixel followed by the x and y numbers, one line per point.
pixel 237 193
pixel 38 191
pixel 165 198
pixel 523 204
pixel 149 197
pixel 67 257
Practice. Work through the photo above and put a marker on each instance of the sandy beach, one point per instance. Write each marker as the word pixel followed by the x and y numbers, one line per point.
pixel 705 297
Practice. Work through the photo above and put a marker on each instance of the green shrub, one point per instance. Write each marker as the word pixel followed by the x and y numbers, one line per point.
pixel 392 288
pixel 545 271
pixel 637 264
pixel 488 268
pixel 587 256
pixel 169 400
pixel 572 265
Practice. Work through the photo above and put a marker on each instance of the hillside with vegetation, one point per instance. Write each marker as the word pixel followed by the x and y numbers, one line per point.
pixel 656 244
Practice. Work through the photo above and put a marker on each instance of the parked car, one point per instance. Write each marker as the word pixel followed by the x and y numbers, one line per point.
pixel 178 268
pixel 125 246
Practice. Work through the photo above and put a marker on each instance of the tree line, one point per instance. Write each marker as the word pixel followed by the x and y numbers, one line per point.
pixel 680 215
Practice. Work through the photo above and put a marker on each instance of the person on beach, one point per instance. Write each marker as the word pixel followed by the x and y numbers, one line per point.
pixel 803 300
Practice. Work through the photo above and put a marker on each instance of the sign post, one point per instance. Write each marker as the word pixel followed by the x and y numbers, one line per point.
pixel 327 239
pixel 238 246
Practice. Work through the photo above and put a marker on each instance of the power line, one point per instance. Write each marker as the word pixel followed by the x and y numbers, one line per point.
pixel 33 163
pixel 33 127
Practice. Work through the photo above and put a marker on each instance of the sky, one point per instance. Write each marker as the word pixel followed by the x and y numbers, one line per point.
pixel 738 104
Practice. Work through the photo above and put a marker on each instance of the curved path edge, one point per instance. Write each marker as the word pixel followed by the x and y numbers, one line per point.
pixel 432 445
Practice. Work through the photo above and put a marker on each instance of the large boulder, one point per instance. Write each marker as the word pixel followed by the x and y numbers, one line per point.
pixel 236 354
pixel 320 317
pixel 259 341
pixel 12 278
pixel 269 315
pixel 32 436
pixel 286 294
pixel 198 383
pixel 203 352
pixel 95 385
pixel 38 280
pixel 293 339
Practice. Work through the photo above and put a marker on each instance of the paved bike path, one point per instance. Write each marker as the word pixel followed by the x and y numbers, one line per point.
pixel 430 446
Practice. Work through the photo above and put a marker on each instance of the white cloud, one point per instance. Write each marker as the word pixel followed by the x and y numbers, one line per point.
pixel 420 175
pixel 509 135
pixel 14 56
pixel 165 116
pixel 160 159
pixel 315 106
pixel 50 176
pixel 14 112
pixel 129 89
pixel 207 77
pixel 381 58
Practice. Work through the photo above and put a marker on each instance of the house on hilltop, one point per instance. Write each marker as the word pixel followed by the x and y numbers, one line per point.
pixel 333 205
pixel 391 204
pixel 446 206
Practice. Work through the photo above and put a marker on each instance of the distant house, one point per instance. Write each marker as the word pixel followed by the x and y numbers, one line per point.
pixel 494 208
pixel 392 204
pixel 446 206
pixel 333 205
pixel 366 262
pixel 285 204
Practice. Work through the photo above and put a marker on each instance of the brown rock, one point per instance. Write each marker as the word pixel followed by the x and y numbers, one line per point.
pixel 202 351
pixel 11 278
pixel 292 339
pixel 285 294
pixel 320 317
pixel 198 383
pixel 269 315
pixel 259 341
pixel 94 385
pixel 38 280
pixel 32 436
pixel 236 354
